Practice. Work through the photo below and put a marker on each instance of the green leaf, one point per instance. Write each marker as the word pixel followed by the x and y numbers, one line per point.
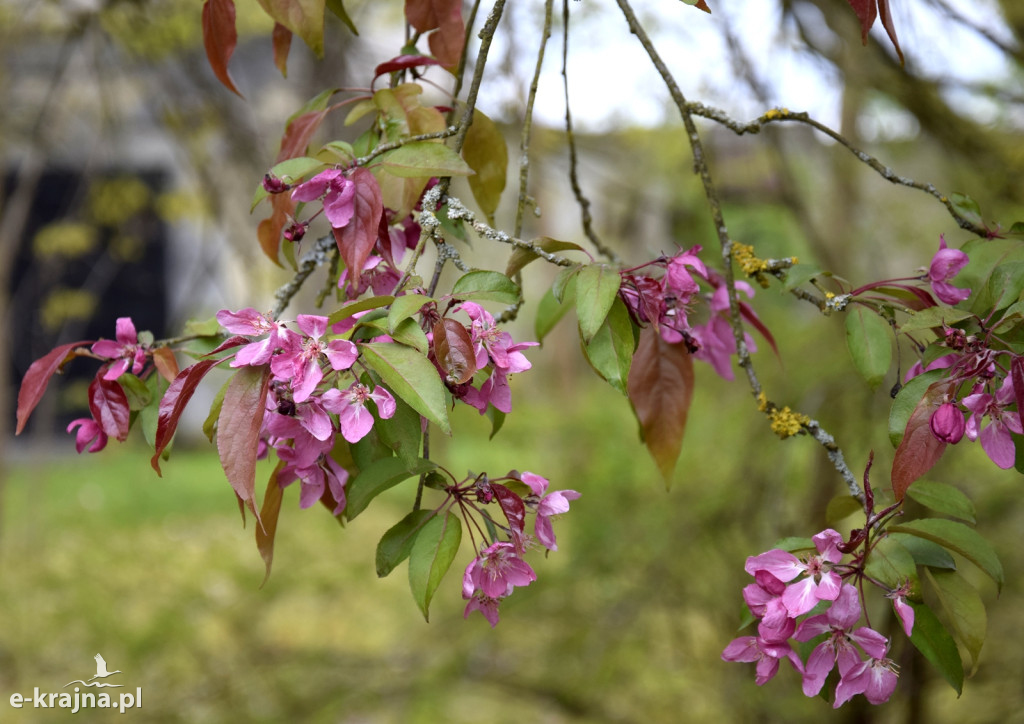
pixel 360 306
pixel 610 351
pixel 290 171
pixel 958 538
pixel 210 424
pixel 565 282
pixel 135 390
pixel 404 307
pixel 925 552
pixel 396 544
pixel 985 256
pixel 942 498
pixel 1003 288
pixel 550 312
pixel 376 478
pixel 423 159
pixel 305 18
pixel 840 508
pixel 497 418
pixel 869 339
pixel 932 317
pixel 800 274
pixel 336 7
pixel 431 556
pixel 407 332
pixel 935 644
pixel 597 287
pixel 521 257
pixel 891 563
pixel 402 432
pixel 486 286
pixel 156 385
pixel 906 402
pixel 486 153
pixel 411 376
pixel 369 449
pixel 963 609
pixel 967 208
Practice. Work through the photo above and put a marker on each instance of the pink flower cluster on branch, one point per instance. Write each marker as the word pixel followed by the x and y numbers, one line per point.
pixel 785 591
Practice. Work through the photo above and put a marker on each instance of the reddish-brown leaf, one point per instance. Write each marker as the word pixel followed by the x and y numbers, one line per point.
pixel 445 18
pixel 356 239
pixel 109 406
pixel 1017 376
pixel 220 38
pixel 701 5
pixel 281 39
pixel 919 449
pixel 515 512
pixel 269 512
pixel 866 11
pixel 403 62
pixel 165 363
pixel 660 387
pixel 172 404
pixel 34 383
pixel 269 230
pixel 453 350
pixel 298 133
pixel 238 430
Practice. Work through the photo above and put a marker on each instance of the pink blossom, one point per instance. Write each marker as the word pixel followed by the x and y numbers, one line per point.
pixel 89 431
pixel 838 649
pixel 767 649
pixel 995 438
pixel 126 350
pixel 678 281
pixel 553 503
pixel 477 600
pixel 945 265
pixel 497 570
pixel 377 275
pixel 251 323
pixel 944 362
pixel 904 612
pixel 822 583
pixel 325 472
pixel 300 359
pixel 336 190
pixel 350 406
pixel 875 679
pixel 764 599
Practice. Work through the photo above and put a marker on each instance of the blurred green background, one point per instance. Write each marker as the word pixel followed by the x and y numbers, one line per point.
pixel 627 621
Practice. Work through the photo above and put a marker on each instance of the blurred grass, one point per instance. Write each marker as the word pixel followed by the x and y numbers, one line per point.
pixel 625 623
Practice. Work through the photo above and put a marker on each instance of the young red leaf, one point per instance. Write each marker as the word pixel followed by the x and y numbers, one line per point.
pixel 298 133
pixel 403 62
pixel 165 363
pixel 444 16
pixel 453 349
pixel 220 38
pixel 356 239
pixel 281 39
pixel 172 404
pixel 660 387
pixel 269 230
pixel 34 383
pixel 109 406
pixel 1017 376
pixel 919 449
pixel 238 430
pixel 514 509
pixel 866 11
pixel 269 513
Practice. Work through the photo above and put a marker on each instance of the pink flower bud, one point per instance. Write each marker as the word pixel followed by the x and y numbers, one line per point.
pixel 948 424
pixel 295 232
pixel 273 185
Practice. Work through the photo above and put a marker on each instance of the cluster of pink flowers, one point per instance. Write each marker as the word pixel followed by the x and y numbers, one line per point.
pixel 499 567
pixel 667 302
pixel 787 588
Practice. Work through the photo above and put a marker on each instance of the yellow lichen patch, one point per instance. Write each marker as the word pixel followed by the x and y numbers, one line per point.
pixel 68 239
pixel 786 423
pixel 747 259
pixel 762 401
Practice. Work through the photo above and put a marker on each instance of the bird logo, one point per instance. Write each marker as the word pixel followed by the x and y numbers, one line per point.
pixel 101 673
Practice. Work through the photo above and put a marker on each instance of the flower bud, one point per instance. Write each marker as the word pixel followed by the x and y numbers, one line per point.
pixel 295 232
pixel 948 424
pixel 273 185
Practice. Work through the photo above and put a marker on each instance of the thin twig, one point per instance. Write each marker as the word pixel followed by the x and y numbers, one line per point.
pixel 782 115
pixel 524 138
pixel 581 199
pixel 835 455
pixel 319 254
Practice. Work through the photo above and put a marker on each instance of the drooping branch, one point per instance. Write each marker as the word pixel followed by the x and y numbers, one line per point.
pixel 780 115
pixel 701 167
